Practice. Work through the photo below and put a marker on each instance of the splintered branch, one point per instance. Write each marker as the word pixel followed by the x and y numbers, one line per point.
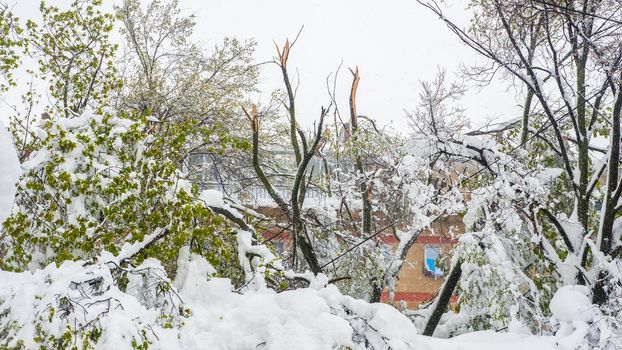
pixel 363 188
pixel 254 120
pixel 283 56
pixel 355 85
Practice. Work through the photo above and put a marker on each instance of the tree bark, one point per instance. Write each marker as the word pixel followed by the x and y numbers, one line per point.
pixel 444 298
pixel 525 118
pixel 612 195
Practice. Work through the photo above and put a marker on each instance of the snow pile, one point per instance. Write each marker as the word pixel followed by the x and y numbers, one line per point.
pixel 78 304
pixel 213 198
pixel 74 304
pixel 581 325
pixel 571 303
pixel 104 306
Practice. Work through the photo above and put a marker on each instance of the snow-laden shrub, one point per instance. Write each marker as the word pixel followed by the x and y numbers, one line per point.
pixel 582 325
pixel 493 292
pixel 102 306
pixel 101 180
pixel 360 259
pixel 80 306
pixel 505 282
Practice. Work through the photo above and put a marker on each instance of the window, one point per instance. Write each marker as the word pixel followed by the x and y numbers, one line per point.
pixel 430 263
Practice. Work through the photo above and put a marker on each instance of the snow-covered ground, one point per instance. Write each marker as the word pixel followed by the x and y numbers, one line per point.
pixel 216 315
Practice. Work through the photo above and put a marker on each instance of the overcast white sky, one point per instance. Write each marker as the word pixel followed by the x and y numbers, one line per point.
pixel 395 44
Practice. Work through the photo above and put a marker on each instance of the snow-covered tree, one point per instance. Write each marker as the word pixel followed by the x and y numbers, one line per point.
pixel 9 43
pixel 574 75
pixel 75 54
pixel 180 81
pixel 98 182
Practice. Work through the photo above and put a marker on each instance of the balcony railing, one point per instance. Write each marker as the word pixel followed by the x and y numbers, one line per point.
pixel 255 193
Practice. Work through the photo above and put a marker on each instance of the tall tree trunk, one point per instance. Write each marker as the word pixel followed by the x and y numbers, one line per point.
pixel 582 149
pixel 612 194
pixel 583 200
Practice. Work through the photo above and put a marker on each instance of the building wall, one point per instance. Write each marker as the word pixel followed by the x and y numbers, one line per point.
pixel 414 287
